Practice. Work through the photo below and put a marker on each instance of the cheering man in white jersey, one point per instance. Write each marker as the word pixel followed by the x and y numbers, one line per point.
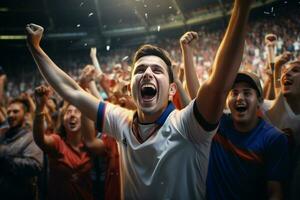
pixel 164 152
pixel 285 115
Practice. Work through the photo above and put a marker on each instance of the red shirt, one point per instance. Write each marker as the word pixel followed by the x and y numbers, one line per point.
pixel 112 174
pixel 69 176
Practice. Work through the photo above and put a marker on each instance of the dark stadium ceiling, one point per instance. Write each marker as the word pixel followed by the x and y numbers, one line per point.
pixel 59 15
pixel 105 19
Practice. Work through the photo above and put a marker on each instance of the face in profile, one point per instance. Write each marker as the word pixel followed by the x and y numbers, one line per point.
pixel 150 85
pixel 16 115
pixel 72 119
pixel 290 80
pixel 243 103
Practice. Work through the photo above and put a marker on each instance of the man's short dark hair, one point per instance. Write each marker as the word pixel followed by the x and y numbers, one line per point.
pixel 150 50
pixel 23 102
pixel 295 62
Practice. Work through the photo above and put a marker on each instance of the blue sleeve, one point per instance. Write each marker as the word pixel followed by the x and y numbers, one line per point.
pixel 100 116
pixel 277 158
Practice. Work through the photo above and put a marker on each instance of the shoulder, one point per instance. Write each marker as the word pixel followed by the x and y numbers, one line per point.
pixel 271 133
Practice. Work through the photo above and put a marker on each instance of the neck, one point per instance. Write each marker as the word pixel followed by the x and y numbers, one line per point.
pixel 74 139
pixel 12 131
pixel 245 127
pixel 146 118
pixel 294 104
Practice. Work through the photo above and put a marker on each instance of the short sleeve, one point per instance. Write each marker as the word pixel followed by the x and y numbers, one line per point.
pixel 57 142
pixel 113 119
pixel 193 126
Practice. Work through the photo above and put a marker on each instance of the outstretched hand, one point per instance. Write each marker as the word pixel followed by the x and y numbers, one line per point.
pixel 34 34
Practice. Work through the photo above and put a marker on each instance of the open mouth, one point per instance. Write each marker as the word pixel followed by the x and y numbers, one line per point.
pixel 287 82
pixel 72 124
pixel 148 92
pixel 241 108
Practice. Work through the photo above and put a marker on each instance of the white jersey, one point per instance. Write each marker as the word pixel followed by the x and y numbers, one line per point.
pixel 282 116
pixel 171 164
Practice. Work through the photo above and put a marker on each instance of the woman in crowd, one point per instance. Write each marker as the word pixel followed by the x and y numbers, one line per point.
pixel 69 162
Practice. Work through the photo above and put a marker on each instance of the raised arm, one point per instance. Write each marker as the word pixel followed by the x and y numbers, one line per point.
pixel 270 40
pixel 87 81
pixel 212 95
pixel 183 96
pixel 268 90
pixel 64 85
pixel 186 43
pixel 93 55
pixel 30 101
pixel 46 143
pixel 2 84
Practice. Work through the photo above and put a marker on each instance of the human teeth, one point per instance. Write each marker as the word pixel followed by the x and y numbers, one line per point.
pixel 240 106
pixel 148 85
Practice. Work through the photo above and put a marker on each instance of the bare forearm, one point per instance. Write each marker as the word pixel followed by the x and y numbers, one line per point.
pixel 94 90
pixel 57 78
pixel 2 83
pixel 96 64
pixel 31 104
pixel 229 55
pixel 276 81
pixel 271 92
pixel 39 129
pixel 184 98
pixel 212 95
pixel 190 73
pixel 266 88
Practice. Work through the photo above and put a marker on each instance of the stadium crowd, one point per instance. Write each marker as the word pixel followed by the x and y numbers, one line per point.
pixel 189 127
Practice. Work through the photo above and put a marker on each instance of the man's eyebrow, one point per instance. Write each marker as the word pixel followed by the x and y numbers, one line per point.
pixel 157 66
pixel 247 89
pixel 140 65
pixel 297 67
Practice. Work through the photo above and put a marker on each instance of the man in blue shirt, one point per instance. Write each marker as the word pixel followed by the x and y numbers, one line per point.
pixel 249 157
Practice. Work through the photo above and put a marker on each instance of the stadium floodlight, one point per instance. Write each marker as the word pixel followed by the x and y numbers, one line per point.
pixel 12 37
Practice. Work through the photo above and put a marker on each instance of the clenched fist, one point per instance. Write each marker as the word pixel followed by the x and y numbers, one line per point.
pixel 188 40
pixel 41 94
pixel 282 59
pixel 87 75
pixel 34 35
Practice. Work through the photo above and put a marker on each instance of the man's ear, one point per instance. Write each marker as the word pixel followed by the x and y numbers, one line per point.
pixel 172 89
pixel 260 103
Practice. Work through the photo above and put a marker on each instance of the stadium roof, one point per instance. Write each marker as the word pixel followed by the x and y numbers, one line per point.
pixel 97 21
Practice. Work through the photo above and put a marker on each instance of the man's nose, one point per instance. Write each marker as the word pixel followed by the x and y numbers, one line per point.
pixel 288 72
pixel 240 96
pixel 148 74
